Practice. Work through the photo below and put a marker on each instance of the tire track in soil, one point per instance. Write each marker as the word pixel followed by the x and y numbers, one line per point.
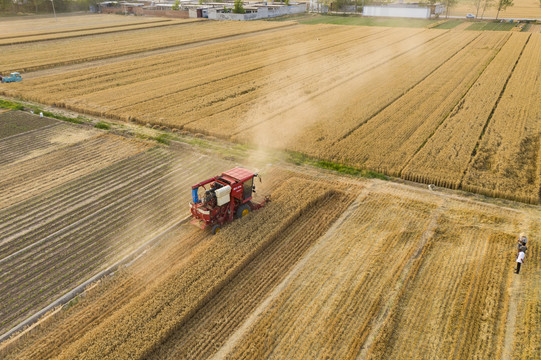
pixel 90 216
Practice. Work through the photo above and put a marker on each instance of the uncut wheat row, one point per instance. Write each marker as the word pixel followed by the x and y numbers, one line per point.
pixel 47 54
pixel 391 138
pixel 27 27
pixel 507 163
pixel 446 155
pixel 313 123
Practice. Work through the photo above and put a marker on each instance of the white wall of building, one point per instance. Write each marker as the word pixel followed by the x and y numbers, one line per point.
pixel 396 11
pixel 262 13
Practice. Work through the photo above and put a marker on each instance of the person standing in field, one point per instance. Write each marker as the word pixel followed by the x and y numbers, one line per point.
pixel 520 260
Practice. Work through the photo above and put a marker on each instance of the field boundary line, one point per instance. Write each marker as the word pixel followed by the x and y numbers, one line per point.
pixel 474 152
pixel 234 339
pixel 390 103
pixel 127 260
pixel 393 298
pixel 454 107
pixel 89 215
pixel 336 85
pixel 459 198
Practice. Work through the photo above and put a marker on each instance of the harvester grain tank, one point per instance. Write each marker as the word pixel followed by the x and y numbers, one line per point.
pixel 13 77
pixel 229 196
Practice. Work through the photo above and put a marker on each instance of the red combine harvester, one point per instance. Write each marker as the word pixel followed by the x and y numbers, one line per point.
pixel 229 196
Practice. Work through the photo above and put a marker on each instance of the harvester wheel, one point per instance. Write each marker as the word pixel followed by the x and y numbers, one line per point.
pixel 243 210
pixel 216 229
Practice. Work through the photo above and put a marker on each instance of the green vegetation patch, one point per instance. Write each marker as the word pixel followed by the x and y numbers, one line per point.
pixel 301 159
pixel 491 26
pixel 163 139
pixel 5 104
pixel 366 21
pixel 102 125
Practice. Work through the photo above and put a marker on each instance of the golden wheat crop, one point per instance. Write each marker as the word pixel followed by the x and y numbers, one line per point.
pixel 446 155
pixel 527 292
pixel 318 120
pixel 441 275
pixel 388 140
pixel 21 38
pixel 327 309
pixel 389 100
pixel 23 27
pixel 53 53
pixel 508 162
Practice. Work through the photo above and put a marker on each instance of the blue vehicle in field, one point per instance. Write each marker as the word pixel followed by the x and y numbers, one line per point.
pixel 11 78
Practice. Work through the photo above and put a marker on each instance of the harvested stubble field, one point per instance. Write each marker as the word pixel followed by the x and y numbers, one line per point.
pixel 396 101
pixel 74 201
pixel 332 268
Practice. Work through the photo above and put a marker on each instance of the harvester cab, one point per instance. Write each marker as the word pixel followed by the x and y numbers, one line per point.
pixel 227 197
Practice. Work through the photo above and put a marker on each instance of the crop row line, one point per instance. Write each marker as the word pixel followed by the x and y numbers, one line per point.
pixel 89 202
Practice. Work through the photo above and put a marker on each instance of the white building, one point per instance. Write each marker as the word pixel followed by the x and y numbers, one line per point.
pixel 411 10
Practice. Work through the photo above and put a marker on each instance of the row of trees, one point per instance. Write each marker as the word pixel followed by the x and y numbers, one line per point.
pixel 44 6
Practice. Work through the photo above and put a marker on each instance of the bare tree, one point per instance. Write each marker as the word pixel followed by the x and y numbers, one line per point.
pixel 477 4
pixel 488 5
pixel 502 5
pixel 449 4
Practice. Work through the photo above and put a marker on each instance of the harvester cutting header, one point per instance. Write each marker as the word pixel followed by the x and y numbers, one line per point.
pixel 229 196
